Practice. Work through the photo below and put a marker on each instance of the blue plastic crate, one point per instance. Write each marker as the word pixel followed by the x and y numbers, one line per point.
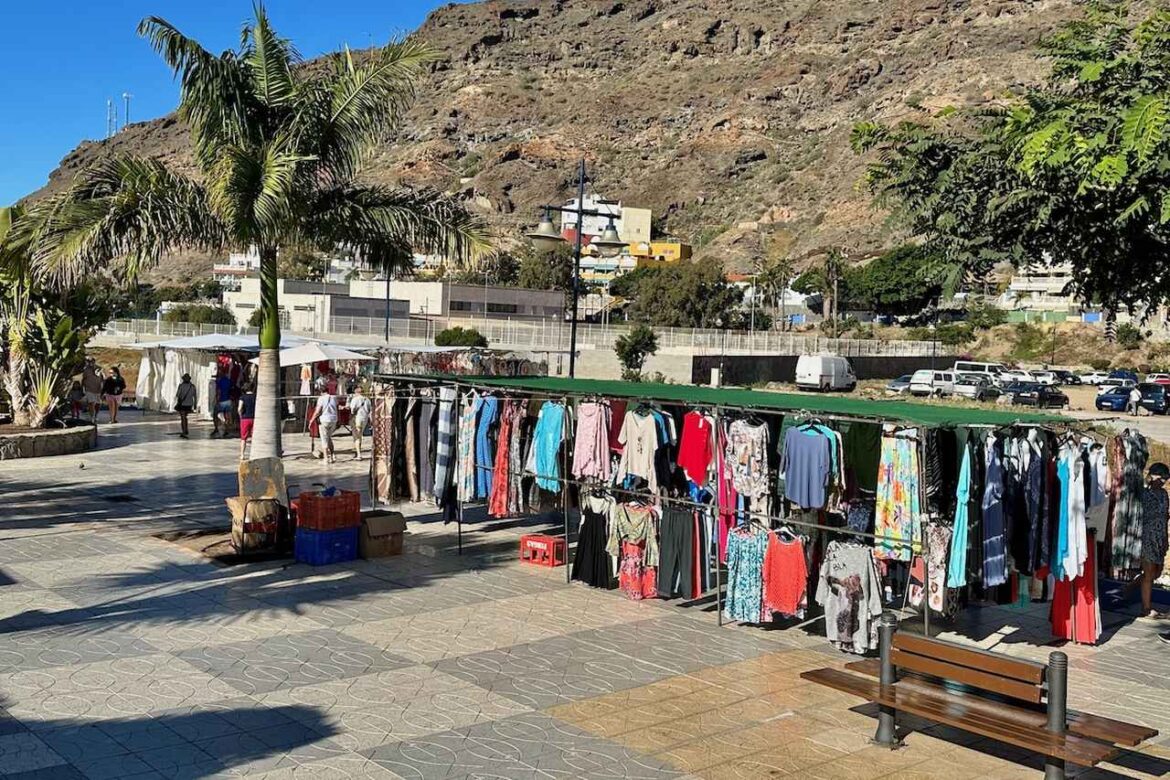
pixel 321 548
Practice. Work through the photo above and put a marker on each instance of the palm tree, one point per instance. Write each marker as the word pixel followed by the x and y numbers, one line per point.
pixel 278 147
pixel 15 263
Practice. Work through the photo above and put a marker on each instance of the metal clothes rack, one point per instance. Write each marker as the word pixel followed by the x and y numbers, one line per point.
pixel 565 481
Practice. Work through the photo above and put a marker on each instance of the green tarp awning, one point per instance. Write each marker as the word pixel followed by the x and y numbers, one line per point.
pixel 935 415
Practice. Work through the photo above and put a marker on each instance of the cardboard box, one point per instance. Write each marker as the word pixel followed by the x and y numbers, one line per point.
pixel 382 534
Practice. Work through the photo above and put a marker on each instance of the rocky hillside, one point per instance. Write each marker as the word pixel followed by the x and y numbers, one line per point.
pixel 730 118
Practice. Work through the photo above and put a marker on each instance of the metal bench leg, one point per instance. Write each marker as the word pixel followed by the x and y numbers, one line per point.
pixel 887 716
pixel 1057 709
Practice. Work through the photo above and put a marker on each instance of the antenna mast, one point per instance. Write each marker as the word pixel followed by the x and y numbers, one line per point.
pixel 126 112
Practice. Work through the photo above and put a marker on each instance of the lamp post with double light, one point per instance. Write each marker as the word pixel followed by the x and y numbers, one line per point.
pixel 547 238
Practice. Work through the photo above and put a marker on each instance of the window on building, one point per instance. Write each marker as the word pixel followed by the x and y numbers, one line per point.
pixel 503 308
pixel 309 307
pixel 245 306
pixel 460 305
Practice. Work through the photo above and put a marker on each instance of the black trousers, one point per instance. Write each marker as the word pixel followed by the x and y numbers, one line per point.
pixel 676 553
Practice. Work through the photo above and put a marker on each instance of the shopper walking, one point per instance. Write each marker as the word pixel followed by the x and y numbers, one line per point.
pixel 91 387
pixel 359 417
pixel 1135 400
pixel 247 412
pixel 223 405
pixel 1155 517
pixel 325 415
pixel 186 397
pixel 112 388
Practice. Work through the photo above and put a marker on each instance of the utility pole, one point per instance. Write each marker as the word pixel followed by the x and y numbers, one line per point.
pixel 111 118
pixel 126 109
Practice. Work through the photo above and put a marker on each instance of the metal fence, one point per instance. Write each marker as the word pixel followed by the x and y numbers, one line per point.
pixel 552 335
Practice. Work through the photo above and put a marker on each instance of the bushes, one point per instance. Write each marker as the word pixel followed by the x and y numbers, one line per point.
pixel 982 316
pixel 460 337
pixel 200 314
pixel 1128 336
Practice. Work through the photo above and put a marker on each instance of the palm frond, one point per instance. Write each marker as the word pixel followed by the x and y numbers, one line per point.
pixel 270 59
pixel 376 219
pixel 252 190
pixel 353 105
pixel 216 93
pixel 121 214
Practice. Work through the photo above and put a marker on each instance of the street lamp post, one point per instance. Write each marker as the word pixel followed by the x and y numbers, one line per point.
pixel 546 238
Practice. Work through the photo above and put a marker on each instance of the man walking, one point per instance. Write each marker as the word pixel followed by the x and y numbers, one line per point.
pixel 91 387
pixel 325 414
pixel 1135 399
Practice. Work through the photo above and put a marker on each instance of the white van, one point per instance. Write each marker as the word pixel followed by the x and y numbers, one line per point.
pixel 928 382
pixel 824 372
pixel 990 370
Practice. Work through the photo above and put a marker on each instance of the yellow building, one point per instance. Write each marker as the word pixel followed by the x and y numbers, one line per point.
pixel 651 253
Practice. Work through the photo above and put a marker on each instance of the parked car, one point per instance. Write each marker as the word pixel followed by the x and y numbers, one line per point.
pixel 929 382
pixel 1155 397
pixel 1114 399
pixel 1016 375
pixel 1158 379
pixel 1128 384
pixel 824 373
pixel 1038 395
pixel 977 387
pixel 1045 377
pixel 1094 377
pixel 899 385
pixel 1124 373
pixel 991 370
pixel 1067 377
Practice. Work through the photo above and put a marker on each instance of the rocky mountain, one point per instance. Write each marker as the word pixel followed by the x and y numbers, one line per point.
pixel 729 118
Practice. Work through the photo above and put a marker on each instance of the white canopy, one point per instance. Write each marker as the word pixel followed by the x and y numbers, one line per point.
pixel 316 352
pixel 217 342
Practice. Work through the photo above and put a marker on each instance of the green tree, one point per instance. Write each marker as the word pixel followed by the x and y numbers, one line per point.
pixel 497 268
pixel 774 276
pixel 279 149
pixel 301 263
pixel 633 348
pixel 201 314
pixel 460 337
pixel 897 282
pixel 546 270
pixel 687 295
pixel 1129 336
pixel 1076 169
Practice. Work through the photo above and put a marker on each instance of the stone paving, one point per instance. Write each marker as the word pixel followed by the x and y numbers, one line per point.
pixel 122 655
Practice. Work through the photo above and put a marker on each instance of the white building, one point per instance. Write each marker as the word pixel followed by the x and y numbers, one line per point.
pixel 317 307
pixel 1041 288
pixel 238 266
pixel 632 224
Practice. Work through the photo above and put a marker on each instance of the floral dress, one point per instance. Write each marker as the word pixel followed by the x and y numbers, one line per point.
pixel 746 548
pixel 898 515
pixel 465 450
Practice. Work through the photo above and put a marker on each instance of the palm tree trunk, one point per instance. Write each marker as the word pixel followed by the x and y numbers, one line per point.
pixel 14 378
pixel 266 432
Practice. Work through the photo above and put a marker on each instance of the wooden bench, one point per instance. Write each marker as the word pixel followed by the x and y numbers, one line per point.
pixel 1021 703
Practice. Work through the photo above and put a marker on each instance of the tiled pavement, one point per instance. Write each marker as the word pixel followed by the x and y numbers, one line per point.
pixel 125 656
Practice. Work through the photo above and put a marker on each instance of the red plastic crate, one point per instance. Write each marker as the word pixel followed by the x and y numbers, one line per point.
pixel 542 550
pixel 328 513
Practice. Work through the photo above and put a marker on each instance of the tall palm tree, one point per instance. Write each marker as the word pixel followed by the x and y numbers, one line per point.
pixel 279 148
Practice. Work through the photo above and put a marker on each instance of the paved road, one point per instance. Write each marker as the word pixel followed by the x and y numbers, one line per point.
pixel 122 655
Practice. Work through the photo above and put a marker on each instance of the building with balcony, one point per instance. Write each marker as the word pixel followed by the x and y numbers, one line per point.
pixel 1041 288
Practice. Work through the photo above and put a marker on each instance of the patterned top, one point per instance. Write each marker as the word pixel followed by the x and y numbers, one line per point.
pixel 747 458
pixel 744 601
pixel 1155 511
pixel 465 460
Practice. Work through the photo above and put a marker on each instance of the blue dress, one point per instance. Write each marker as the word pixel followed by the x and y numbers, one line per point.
pixel 745 581
pixel 484 456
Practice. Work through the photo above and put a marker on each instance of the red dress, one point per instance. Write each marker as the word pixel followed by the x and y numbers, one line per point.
pixel 637 580
pixel 694 449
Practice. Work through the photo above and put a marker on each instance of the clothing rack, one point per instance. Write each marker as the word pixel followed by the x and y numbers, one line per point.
pixel 461 385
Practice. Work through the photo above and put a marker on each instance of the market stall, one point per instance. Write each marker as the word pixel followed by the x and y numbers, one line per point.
pixel 771 502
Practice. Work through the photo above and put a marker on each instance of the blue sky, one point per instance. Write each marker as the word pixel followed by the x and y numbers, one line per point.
pixel 60 61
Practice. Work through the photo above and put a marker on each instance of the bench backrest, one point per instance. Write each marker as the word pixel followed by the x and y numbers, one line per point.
pixel 1012 677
